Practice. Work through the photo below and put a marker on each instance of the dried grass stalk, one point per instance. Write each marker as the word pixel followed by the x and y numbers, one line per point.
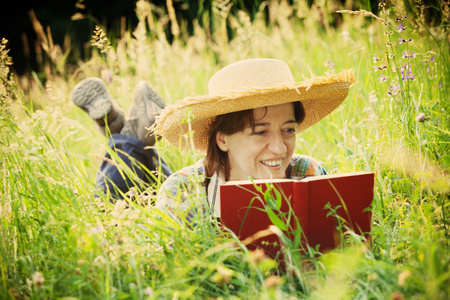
pixel 364 13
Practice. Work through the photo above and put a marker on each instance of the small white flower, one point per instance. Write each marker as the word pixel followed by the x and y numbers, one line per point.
pixel 149 291
pixel 421 117
pixel 37 279
pixel 121 205
pixel 99 260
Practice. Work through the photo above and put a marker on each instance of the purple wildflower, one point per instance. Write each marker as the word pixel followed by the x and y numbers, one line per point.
pixel 401 28
pixel 403 70
pixel 440 84
pixel 406 55
pixel 382 78
pixel 407 73
pixel 394 89
pixel 403 41
pixel 432 59
pixel 383 67
pixel 329 64
pixel 376 59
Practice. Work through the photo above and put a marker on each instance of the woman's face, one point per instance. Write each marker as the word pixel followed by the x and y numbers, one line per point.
pixel 266 151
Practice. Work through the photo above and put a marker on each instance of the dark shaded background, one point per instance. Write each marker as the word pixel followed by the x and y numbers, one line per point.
pixel 17 28
pixel 16 25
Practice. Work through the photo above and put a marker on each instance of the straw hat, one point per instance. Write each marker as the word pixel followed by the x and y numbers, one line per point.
pixel 250 84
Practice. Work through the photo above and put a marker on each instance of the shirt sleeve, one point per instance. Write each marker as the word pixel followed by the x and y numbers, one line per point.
pixel 180 193
pixel 303 165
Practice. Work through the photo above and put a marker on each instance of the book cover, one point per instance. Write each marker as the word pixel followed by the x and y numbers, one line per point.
pixel 321 207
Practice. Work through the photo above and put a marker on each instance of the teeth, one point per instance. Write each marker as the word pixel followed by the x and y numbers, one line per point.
pixel 272 163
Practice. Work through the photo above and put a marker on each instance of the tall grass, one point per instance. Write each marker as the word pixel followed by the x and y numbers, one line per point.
pixel 58 241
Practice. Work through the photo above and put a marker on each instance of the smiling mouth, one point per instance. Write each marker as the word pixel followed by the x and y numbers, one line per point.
pixel 272 163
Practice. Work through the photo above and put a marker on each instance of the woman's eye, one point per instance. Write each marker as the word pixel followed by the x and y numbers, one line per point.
pixel 262 132
pixel 290 130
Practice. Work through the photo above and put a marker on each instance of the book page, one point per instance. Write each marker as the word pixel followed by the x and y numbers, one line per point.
pixel 308 178
pixel 257 181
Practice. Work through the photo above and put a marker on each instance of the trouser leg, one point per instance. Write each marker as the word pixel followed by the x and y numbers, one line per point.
pixel 146 165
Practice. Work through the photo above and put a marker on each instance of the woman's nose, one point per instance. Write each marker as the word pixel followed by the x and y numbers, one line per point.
pixel 277 144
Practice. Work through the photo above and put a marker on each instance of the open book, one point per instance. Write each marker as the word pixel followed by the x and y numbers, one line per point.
pixel 322 207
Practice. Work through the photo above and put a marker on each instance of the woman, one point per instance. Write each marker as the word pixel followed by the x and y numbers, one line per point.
pixel 247 127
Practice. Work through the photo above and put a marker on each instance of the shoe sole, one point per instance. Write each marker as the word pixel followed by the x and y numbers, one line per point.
pixel 150 94
pixel 92 96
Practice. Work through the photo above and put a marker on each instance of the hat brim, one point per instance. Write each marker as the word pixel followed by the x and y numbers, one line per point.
pixel 319 96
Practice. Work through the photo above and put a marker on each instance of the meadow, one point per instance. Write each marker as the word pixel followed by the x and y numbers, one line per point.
pixel 58 242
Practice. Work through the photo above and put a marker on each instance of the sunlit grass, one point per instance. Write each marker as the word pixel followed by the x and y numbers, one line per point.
pixel 58 241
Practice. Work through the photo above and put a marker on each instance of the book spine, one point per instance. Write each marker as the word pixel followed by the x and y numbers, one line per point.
pixel 300 205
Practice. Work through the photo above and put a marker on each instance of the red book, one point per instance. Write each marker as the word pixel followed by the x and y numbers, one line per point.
pixel 318 206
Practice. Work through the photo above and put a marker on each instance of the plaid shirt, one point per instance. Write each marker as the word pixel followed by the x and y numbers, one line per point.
pixel 184 187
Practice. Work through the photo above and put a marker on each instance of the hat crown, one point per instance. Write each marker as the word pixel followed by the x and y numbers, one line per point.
pixel 250 74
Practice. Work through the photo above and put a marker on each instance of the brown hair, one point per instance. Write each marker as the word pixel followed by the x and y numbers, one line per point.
pixel 216 160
